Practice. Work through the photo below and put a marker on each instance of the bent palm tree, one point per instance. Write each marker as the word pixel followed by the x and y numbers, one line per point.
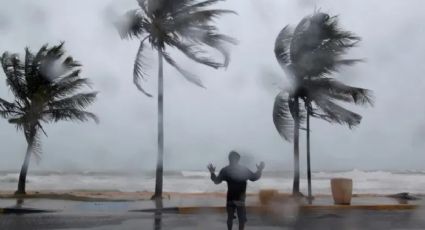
pixel 309 55
pixel 182 24
pixel 45 87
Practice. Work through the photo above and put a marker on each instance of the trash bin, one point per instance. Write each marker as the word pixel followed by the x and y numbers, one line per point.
pixel 342 190
pixel 267 195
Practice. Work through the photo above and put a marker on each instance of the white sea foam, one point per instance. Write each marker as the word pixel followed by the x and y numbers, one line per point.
pixel 372 182
pixel 9 178
pixel 201 174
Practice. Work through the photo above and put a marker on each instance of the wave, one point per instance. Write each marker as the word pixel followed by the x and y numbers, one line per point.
pixel 9 178
pixel 355 173
pixel 201 174
pixel 376 182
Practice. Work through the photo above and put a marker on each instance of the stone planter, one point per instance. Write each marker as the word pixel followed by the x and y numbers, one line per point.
pixel 267 195
pixel 342 190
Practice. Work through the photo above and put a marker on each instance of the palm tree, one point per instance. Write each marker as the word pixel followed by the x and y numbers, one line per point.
pixel 182 24
pixel 46 89
pixel 309 55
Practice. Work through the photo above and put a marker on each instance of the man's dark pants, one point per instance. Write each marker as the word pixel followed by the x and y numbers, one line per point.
pixel 239 207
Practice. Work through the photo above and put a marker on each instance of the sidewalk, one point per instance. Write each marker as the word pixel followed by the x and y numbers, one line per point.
pixel 196 203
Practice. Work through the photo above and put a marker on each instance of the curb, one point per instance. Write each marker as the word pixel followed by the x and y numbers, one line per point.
pixel 265 209
pixel 163 210
pixel 383 207
pixel 23 211
pixel 254 209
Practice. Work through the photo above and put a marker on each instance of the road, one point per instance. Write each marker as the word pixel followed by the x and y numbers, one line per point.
pixel 116 215
pixel 137 220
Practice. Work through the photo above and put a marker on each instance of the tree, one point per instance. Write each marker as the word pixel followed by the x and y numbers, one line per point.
pixel 186 25
pixel 46 89
pixel 309 55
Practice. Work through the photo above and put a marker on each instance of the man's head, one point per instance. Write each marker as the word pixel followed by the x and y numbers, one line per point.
pixel 234 157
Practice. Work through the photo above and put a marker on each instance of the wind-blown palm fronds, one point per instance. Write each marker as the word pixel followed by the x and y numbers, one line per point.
pixel 185 25
pixel 309 54
pixel 46 89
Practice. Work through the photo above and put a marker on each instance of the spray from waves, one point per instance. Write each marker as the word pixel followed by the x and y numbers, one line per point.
pixel 195 174
pixel 9 178
pixel 355 173
pixel 365 182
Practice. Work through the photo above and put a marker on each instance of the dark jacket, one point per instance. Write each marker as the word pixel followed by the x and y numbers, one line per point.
pixel 236 177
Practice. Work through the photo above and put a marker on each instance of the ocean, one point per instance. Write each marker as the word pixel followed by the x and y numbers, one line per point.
pixel 364 182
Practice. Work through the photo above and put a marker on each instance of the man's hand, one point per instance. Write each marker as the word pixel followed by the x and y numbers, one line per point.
pixel 211 168
pixel 261 166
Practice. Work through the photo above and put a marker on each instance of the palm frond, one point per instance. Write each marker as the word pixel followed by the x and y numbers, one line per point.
pixel 144 5
pixel 131 25
pixel 202 17
pixel 206 34
pixel 320 30
pixel 182 24
pixel 138 69
pixel 331 29
pixel 70 114
pixel 6 105
pixel 49 66
pixel 19 121
pixel 67 84
pixel 29 59
pixel 53 68
pixel 41 54
pixel 195 7
pixel 7 109
pixel 55 52
pixel 69 77
pixel 40 127
pixel 282 46
pixel 299 38
pixel 322 62
pixel 194 52
pixel 5 113
pixel 337 114
pixel 282 51
pixel 69 63
pixel 318 45
pixel 186 74
pixel 220 43
pixel 339 91
pixel 15 72
pixel 282 117
pixel 196 27
pixel 167 7
pixel 78 101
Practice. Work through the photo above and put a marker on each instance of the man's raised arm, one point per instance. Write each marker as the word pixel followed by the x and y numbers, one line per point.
pixel 255 176
pixel 216 179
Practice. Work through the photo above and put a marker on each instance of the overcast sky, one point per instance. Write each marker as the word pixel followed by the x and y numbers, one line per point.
pixel 234 112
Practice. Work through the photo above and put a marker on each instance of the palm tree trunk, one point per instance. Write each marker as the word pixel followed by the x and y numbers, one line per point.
pixel 25 165
pixel 296 185
pixel 310 198
pixel 160 162
pixel 158 215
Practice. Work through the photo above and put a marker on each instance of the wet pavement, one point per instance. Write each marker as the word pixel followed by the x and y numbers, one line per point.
pixel 318 220
pixel 194 201
pixel 118 215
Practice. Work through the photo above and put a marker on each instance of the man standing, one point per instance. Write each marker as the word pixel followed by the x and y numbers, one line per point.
pixel 236 176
